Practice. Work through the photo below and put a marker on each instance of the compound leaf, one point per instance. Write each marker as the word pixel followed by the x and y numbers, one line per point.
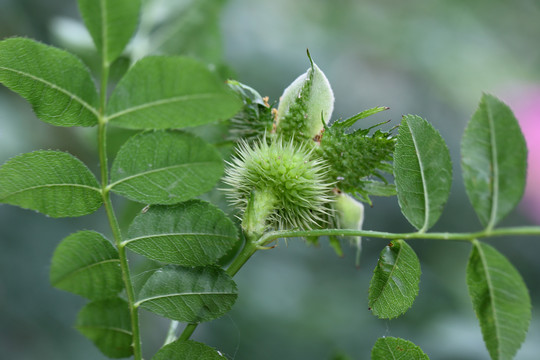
pixel 165 167
pixel 108 324
pixel 56 83
pixel 187 350
pixel 161 92
pixel 394 285
pixel 193 233
pixel 86 264
pixel 396 348
pixel 188 294
pixel 52 182
pixel 500 299
pixel 422 170
pixel 494 161
pixel 111 24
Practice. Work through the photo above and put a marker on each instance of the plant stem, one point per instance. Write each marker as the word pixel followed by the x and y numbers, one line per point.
pixel 247 251
pixel 113 222
pixel 521 231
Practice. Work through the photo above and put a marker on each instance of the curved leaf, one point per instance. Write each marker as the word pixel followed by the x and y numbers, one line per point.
pixel 394 285
pixel 396 348
pixel 56 83
pixel 52 182
pixel 170 92
pixel 165 167
pixel 422 170
pixel 86 264
pixel 193 233
pixel 188 294
pixel 494 161
pixel 108 324
pixel 111 24
pixel 187 350
pixel 500 299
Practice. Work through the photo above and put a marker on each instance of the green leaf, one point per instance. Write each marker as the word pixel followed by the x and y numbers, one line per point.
pixel 86 264
pixel 165 167
pixel 193 233
pixel 56 83
pixel 500 299
pixel 51 182
pixel 396 348
pixel 189 28
pixel 170 92
pixel 423 172
pixel 108 324
pixel 187 350
pixel 394 285
pixel 188 294
pixel 494 161
pixel 111 24
pixel 361 115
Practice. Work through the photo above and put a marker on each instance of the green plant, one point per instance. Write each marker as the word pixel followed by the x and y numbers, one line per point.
pixel 295 175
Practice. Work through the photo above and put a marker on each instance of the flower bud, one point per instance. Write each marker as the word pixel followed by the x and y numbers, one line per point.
pixel 350 215
pixel 305 106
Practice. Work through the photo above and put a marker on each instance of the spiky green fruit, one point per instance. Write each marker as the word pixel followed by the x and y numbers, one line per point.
pixel 305 106
pixel 281 184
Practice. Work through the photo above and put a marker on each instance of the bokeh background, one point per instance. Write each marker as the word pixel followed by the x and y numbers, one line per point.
pixel 430 58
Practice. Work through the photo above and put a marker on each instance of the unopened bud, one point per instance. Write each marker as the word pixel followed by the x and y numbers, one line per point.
pixel 305 106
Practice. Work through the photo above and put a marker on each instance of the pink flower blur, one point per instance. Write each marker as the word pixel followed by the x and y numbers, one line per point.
pixel 525 103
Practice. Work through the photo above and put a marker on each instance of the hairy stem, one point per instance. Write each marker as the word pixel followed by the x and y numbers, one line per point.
pixel 113 222
pixel 270 236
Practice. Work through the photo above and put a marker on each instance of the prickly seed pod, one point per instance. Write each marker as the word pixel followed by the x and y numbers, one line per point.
pixel 306 104
pixel 278 185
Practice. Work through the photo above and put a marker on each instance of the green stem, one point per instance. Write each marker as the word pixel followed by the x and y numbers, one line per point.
pixel 268 237
pixel 247 251
pixel 113 222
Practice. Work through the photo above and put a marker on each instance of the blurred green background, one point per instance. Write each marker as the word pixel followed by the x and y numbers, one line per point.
pixel 433 59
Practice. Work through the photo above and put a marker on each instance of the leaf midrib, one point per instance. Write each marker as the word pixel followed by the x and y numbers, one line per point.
pixel 145 173
pixel 120 330
pixel 176 235
pixel 162 102
pixel 55 87
pixel 49 185
pixel 398 256
pixel 138 303
pixel 424 183
pixel 491 294
pixel 86 267
pixel 495 169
